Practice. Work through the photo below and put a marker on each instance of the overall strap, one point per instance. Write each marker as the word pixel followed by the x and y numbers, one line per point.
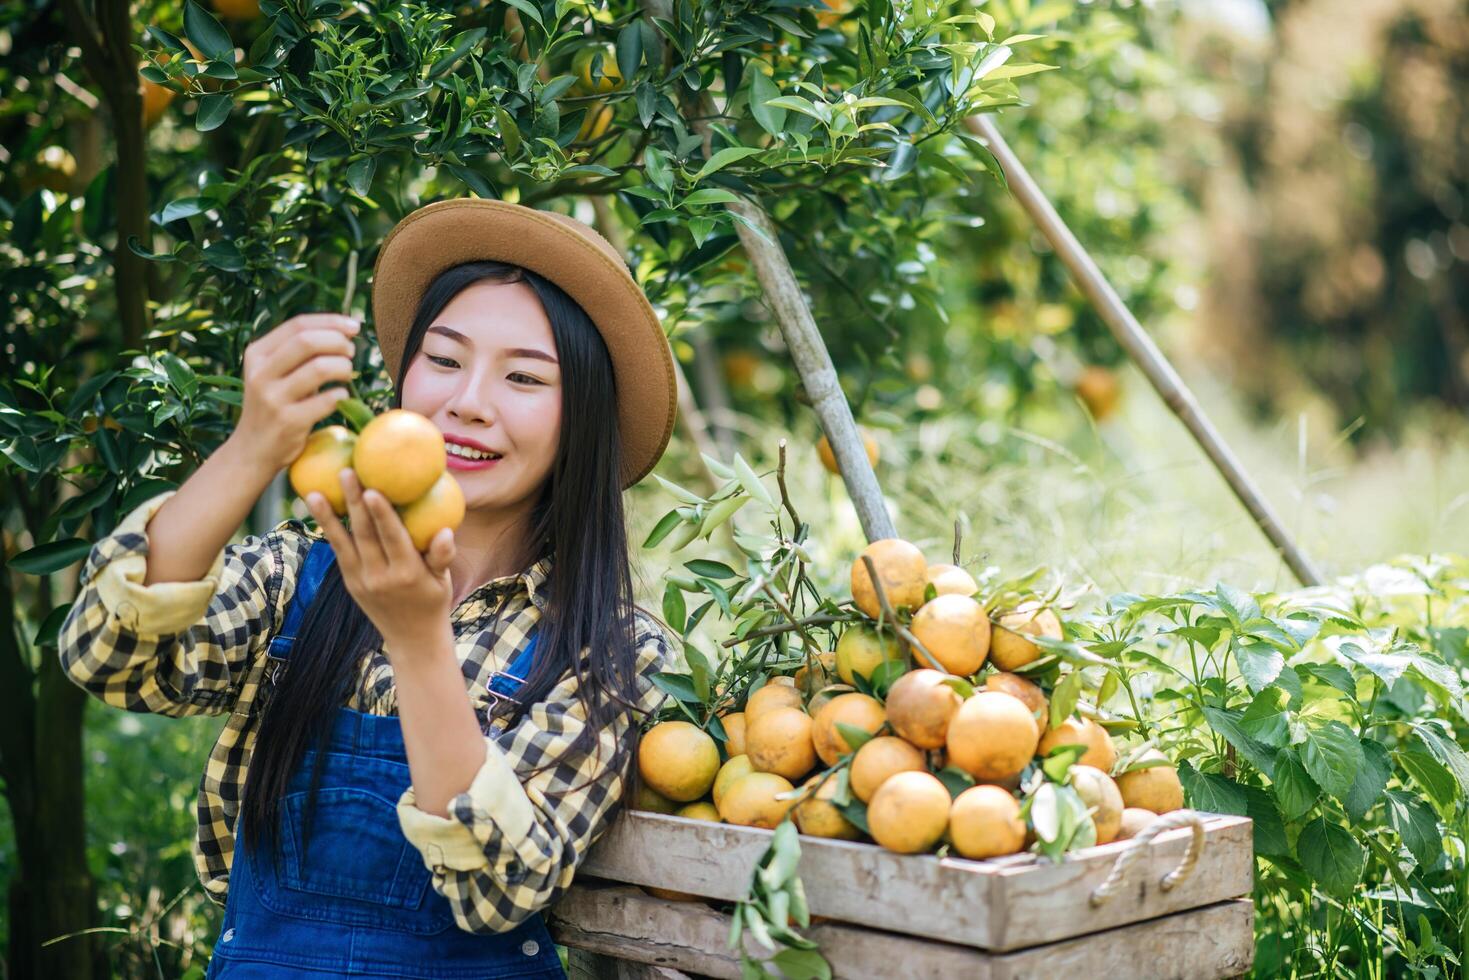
pixel 318 560
pixel 506 682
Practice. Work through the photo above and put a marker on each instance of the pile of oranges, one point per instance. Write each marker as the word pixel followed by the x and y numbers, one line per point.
pixel 401 455
pixel 814 747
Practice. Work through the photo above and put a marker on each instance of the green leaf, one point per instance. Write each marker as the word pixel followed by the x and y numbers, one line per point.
pixel 678 686
pixel 660 530
pixel 955 780
pixel 675 610
pixel 1060 759
pixel 214 109
pixel 52 557
pixel 1295 790
pixel 1228 724
pixel 802 964
pixel 1267 719
pixel 771 118
pixel 1063 699
pixel 1331 856
pixel 1446 751
pixel 854 736
pixel 629 50
pixel 207 33
pixel 1332 755
pixel 724 158
pixel 50 627
pixel 1211 792
pixel 1371 779
pixel 751 482
pixel 710 569
pixel 1387 666
pixel 360 173
pixel 1259 663
pixel 1270 835
pixel 1415 823
pixel 1431 777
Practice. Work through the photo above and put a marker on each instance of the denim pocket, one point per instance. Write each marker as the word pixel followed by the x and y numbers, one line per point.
pixel 356 869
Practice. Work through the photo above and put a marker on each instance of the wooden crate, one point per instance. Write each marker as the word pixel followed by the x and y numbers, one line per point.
pixel 998 906
pixel 635 936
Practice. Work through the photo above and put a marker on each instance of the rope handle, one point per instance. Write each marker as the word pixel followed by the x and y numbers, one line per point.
pixel 1169 821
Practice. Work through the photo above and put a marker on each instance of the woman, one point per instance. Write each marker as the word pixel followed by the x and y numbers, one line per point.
pixel 418 754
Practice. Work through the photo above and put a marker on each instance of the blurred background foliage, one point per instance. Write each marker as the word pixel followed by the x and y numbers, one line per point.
pixel 1276 189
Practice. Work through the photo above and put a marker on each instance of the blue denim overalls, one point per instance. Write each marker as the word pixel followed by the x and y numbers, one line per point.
pixel 358 901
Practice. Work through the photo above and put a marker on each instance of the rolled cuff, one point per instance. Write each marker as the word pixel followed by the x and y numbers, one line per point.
pixel 495 801
pixel 159 609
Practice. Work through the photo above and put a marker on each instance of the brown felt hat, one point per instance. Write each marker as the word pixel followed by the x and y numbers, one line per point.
pixel 564 250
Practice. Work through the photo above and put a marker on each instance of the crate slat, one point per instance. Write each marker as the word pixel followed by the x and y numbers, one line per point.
pixel 1004 904
pixel 623 922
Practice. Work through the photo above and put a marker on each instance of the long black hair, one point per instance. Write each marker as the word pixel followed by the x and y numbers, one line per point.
pixel 577 521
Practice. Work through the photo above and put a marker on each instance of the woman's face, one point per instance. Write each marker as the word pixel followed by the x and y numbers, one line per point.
pixel 487 375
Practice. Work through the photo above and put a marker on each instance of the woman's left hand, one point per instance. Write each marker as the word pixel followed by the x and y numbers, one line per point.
pixel 407 595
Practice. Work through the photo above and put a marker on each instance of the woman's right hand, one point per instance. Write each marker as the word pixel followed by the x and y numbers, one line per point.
pixel 284 371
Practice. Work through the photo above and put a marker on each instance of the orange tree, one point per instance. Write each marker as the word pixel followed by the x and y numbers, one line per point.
pixel 290 143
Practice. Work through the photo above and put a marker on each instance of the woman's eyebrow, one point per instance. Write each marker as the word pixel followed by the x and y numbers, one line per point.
pixel 449 332
pixel 539 355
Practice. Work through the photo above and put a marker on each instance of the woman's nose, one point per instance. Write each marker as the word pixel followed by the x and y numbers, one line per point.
pixel 471 403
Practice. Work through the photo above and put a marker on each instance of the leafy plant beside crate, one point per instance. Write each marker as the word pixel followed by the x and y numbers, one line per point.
pixel 1333 718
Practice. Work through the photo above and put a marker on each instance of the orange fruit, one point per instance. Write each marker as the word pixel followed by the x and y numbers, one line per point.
pixel 812 678
pixel 861 650
pixel 739 365
pixel 237 9
pixel 678 760
pixel 1010 647
pixel 909 812
pixel 857 710
pixel 1100 794
pixel 1134 820
pixel 702 810
pixel 879 759
pixel 984 822
pixel 950 580
pixel 734 727
pixel 770 697
pixel 1081 731
pixel 956 631
pixel 920 706
pixel 900 567
pixel 750 801
pixel 829 458
pixel 594 124
pixel 400 454
pixel 737 766
pixel 1099 390
pixel 644 797
pixel 328 451
pixel 1156 788
pixel 442 506
pixel 156 99
pixel 581 64
pixel 833 12
pixel 1032 696
pixel 992 736
pixel 817 816
pixel 779 741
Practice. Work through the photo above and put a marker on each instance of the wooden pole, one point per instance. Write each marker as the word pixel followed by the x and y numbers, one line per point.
pixel 1140 346
pixel 813 361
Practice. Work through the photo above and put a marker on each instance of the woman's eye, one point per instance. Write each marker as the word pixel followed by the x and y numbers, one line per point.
pixel 443 361
pixel 527 377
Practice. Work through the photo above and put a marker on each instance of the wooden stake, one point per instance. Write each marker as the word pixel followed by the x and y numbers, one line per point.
pixel 1140 347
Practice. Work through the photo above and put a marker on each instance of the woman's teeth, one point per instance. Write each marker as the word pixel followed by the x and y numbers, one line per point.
pixel 464 452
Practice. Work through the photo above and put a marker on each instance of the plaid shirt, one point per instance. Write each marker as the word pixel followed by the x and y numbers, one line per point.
pixel 511 843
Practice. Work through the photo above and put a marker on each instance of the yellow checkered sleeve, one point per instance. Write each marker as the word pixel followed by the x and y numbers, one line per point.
pixel 513 840
pixel 176 648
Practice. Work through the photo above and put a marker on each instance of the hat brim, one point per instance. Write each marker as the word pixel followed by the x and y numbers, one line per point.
pixel 568 252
